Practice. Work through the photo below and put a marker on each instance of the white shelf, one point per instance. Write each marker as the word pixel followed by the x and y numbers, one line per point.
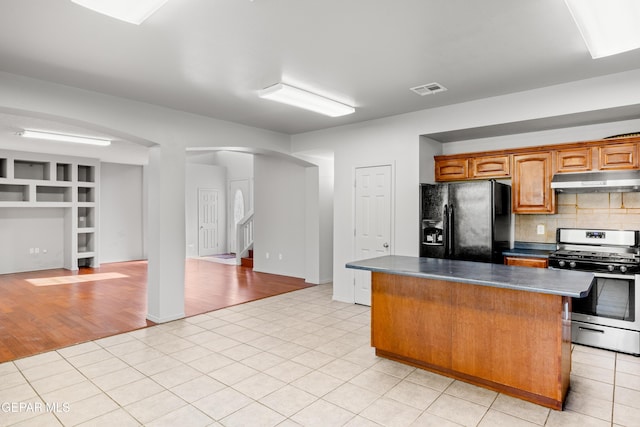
pixel 86 173
pixel 86 194
pixel 63 172
pixel 52 193
pixel 14 193
pixel 32 170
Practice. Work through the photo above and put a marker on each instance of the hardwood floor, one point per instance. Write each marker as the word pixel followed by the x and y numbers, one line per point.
pixel 73 307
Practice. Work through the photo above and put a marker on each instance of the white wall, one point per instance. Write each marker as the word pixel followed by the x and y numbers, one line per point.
pixel 25 228
pixel 369 144
pixel 239 165
pixel 133 121
pixel 209 177
pixel 428 149
pixel 325 211
pixel 279 226
pixel 121 213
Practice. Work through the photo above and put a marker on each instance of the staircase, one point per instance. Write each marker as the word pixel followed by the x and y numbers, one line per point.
pixel 244 241
pixel 247 261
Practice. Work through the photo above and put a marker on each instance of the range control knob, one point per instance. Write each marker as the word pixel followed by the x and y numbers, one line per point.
pixel 611 267
pixel 561 263
pixel 572 264
pixel 623 268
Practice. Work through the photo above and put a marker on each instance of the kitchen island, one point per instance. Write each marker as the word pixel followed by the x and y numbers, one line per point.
pixel 501 327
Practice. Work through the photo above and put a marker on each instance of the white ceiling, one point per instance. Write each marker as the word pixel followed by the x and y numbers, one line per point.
pixel 210 57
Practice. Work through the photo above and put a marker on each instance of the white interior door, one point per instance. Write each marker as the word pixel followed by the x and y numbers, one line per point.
pixel 238 207
pixel 372 223
pixel 208 235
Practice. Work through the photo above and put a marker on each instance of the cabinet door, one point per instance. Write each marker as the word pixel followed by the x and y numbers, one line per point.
pixel 526 262
pixel 489 167
pixel 619 156
pixel 412 317
pixel 531 182
pixel 451 169
pixel 574 160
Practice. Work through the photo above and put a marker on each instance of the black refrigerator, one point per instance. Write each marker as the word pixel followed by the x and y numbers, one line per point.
pixel 465 220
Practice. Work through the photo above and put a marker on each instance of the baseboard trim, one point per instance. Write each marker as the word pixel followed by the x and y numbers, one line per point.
pixel 155 319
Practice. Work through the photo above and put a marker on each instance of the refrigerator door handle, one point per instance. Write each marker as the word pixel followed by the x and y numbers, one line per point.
pixel 446 231
pixel 450 235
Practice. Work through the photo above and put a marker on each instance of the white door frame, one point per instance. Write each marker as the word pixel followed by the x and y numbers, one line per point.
pixel 392 201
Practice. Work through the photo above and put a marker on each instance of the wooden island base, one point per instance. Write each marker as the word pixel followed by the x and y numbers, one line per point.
pixel 511 341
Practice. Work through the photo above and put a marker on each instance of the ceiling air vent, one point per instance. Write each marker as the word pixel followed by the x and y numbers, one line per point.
pixel 428 89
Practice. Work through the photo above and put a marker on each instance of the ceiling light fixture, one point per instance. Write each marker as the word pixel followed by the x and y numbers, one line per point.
pixel 307 100
pixel 61 137
pixel 607 27
pixel 133 12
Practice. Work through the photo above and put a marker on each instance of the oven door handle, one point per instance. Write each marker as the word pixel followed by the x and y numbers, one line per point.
pixel 615 276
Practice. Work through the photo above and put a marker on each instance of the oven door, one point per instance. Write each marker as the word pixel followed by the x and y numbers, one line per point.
pixel 613 301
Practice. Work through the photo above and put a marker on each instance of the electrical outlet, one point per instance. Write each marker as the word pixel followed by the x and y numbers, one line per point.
pixel 31 251
pixel 37 250
pixel 280 257
pixel 540 229
pixel 266 255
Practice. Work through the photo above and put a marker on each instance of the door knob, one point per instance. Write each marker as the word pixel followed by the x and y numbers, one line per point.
pixel 385 245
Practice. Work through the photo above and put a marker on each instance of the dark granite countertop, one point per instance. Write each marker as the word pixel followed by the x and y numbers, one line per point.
pixel 541 280
pixel 530 250
pixel 529 253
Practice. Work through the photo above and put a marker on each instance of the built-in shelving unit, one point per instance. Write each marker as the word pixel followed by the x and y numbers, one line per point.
pixel 33 180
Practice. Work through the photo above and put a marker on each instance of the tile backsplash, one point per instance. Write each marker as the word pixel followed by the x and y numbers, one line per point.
pixel 588 210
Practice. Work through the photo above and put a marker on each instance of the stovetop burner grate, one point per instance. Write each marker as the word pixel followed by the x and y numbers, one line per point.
pixel 597 256
pixel 615 251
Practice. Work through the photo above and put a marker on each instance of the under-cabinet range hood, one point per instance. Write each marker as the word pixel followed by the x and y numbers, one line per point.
pixel 597 182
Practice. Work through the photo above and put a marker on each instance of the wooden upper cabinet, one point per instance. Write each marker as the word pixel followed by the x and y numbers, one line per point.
pixel 452 169
pixel 489 167
pixel 531 183
pixel 574 160
pixel 619 156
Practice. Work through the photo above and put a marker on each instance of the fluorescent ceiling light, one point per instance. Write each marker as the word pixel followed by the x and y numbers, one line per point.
pixel 608 27
pixel 50 136
pixel 307 100
pixel 132 11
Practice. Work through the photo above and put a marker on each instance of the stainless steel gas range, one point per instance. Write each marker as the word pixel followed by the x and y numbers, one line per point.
pixel 610 316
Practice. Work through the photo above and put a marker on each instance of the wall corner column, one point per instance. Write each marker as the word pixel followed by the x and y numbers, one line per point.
pixel 166 233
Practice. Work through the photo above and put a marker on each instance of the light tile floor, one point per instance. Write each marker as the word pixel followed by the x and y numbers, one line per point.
pixel 294 359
